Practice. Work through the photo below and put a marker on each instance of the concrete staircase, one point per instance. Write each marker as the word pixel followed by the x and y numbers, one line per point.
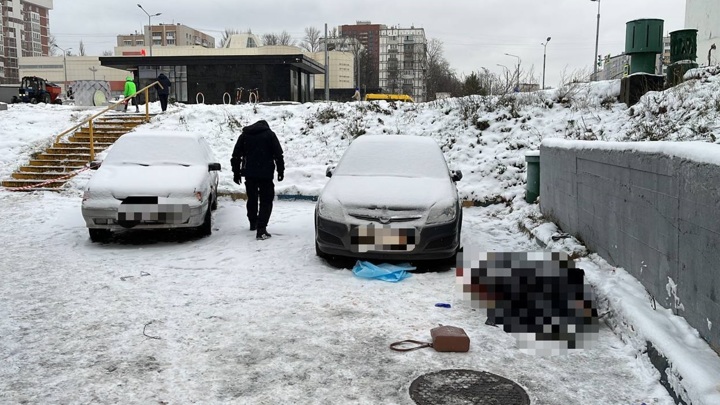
pixel 52 168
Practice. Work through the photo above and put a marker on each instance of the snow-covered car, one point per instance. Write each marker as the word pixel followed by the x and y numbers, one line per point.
pixel 150 180
pixel 391 197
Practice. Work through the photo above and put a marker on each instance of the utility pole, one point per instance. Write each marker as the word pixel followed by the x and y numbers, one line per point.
pixel 65 52
pixel 597 41
pixel 327 67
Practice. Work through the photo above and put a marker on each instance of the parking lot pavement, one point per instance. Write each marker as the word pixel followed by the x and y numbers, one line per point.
pixel 181 319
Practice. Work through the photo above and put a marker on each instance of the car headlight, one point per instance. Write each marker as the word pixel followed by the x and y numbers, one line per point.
pixel 442 212
pixel 331 209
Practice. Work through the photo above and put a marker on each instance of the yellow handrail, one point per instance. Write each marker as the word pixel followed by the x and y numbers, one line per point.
pixel 111 107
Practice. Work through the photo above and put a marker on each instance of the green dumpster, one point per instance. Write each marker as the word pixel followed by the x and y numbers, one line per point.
pixel 532 189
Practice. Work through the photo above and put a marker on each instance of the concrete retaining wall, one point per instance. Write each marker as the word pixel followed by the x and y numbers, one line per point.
pixel 652 208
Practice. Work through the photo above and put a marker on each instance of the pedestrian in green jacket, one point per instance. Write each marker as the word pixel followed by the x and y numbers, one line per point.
pixel 130 89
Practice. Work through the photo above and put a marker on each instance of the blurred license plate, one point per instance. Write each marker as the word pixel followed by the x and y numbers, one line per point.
pixel 162 213
pixel 366 238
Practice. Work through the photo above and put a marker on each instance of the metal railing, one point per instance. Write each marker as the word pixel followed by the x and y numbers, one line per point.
pixel 89 121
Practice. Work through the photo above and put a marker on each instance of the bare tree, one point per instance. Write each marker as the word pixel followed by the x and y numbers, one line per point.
pixel 439 76
pixel 311 42
pixel 81 48
pixel 285 39
pixel 270 39
pixel 52 43
pixel 226 36
pixel 107 53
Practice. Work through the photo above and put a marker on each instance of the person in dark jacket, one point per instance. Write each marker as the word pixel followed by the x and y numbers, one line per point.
pixel 256 155
pixel 164 92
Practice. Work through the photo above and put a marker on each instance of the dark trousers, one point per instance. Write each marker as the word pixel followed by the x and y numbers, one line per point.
pixel 163 101
pixel 133 101
pixel 264 191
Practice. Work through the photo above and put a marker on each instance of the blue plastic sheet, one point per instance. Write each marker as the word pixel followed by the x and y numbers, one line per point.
pixel 385 271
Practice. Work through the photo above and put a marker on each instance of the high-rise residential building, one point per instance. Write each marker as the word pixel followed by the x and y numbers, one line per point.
pixel 704 15
pixel 369 36
pixel 663 59
pixel 24 31
pixel 403 61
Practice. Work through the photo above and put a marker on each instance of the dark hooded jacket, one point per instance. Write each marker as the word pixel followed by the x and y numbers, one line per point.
pixel 165 82
pixel 257 152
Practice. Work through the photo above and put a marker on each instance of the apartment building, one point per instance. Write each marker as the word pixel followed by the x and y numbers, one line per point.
pixel 615 67
pixel 704 15
pixel 663 59
pixel 23 33
pixel 368 34
pixel 403 61
pixel 166 35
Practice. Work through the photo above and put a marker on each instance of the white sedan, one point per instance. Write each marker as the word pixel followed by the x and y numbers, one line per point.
pixel 391 197
pixel 152 180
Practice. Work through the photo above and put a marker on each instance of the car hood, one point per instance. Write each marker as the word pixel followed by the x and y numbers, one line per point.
pixel 399 193
pixel 122 181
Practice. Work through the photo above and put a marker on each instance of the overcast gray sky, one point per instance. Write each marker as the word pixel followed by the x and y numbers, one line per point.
pixel 475 33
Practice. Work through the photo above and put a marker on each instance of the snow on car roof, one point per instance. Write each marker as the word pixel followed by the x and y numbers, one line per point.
pixel 158 148
pixel 393 155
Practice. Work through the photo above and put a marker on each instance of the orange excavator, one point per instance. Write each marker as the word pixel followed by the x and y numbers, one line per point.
pixel 37 90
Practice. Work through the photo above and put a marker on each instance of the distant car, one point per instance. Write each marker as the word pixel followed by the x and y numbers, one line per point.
pixel 391 197
pixel 152 180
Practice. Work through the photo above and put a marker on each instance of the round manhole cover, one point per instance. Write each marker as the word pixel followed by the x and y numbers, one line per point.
pixel 466 387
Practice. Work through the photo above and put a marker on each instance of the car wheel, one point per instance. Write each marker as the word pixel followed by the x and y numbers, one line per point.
pixel 213 206
pixel 206 227
pixel 33 100
pixel 46 99
pixel 99 235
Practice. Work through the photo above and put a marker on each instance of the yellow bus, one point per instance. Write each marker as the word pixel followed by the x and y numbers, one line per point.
pixel 388 97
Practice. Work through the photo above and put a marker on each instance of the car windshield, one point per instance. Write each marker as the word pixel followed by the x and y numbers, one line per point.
pixel 393 155
pixel 154 150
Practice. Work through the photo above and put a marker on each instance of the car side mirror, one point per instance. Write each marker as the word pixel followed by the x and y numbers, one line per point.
pixel 214 167
pixel 329 171
pixel 456 175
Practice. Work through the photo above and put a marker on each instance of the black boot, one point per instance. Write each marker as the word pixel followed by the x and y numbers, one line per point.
pixel 262 234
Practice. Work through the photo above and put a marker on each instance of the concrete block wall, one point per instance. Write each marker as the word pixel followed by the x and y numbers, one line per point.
pixel 652 208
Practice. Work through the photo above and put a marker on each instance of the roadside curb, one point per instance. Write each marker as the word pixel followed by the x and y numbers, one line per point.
pixel 657 359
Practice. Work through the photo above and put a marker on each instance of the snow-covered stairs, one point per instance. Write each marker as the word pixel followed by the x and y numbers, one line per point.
pixel 53 167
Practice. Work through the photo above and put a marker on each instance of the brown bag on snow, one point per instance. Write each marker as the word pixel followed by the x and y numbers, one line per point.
pixel 444 339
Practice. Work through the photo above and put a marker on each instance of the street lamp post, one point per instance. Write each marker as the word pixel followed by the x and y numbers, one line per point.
pixel 93 69
pixel 65 51
pixel 506 70
pixel 149 25
pixel 518 70
pixel 597 40
pixel 544 59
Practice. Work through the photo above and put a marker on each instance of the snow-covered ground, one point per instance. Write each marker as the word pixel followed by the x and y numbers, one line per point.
pixel 168 317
